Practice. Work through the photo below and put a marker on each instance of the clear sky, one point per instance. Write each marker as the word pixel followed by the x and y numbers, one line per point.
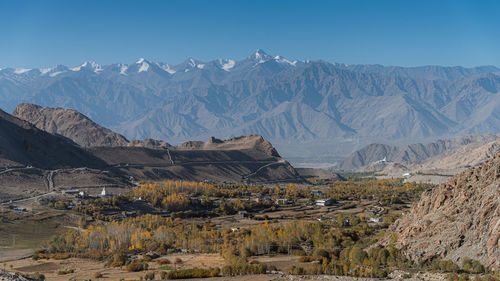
pixel 408 33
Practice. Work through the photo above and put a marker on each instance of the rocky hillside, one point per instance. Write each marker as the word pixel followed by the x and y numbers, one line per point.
pixel 241 159
pixel 369 157
pixel 7 276
pixel 22 144
pixel 69 123
pixel 459 219
pixel 77 127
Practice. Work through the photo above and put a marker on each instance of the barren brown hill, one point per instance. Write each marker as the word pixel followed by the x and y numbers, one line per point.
pixel 322 174
pixel 463 157
pixel 69 123
pixel 77 127
pixel 459 219
pixel 22 144
pixel 241 159
pixel 370 157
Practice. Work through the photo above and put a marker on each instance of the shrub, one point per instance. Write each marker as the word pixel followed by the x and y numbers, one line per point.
pixel 448 266
pixel 98 275
pixel 135 267
pixel 452 277
pixel 310 258
pixel 472 266
pixel 60 256
pixel 38 276
pixel 163 275
pixel 244 268
pixel 463 277
pixel 322 253
pixel 119 259
pixel 66 271
pixel 193 273
pixel 178 261
pixel 163 261
pixel 296 270
pixel 298 252
pixel 149 276
pixel 165 267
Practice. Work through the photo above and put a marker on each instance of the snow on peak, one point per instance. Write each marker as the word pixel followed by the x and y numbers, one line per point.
pixel 227 65
pixel 144 67
pixel 260 56
pixel 53 74
pixel 53 71
pixel 123 69
pixel 191 62
pixel 281 59
pixel 167 68
pixel 21 70
pixel 46 70
pixel 88 65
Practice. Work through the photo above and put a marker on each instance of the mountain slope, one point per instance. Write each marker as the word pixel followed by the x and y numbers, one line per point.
pixel 23 144
pixel 459 219
pixel 424 154
pixel 77 127
pixel 69 123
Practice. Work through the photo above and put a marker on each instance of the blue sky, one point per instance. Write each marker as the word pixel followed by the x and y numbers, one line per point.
pixel 407 33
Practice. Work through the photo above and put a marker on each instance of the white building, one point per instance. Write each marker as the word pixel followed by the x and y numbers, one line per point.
pixel 324 202
pixel 374 219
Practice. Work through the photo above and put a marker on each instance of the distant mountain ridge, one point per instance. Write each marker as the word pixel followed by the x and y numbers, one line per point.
pixel 289 102
pixel 410 154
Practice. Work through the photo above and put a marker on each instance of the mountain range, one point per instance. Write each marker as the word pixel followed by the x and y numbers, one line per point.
pixel 306 108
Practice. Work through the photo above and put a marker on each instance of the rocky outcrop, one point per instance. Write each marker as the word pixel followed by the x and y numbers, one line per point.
pixel 250 142
pixel 459 219
pixel 7 276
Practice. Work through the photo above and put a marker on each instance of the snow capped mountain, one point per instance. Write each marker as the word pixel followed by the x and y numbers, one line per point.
pixel 144 65
pixel 260 56
pixel 286 101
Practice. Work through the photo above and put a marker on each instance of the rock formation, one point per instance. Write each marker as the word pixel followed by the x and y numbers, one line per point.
pixel 459 219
